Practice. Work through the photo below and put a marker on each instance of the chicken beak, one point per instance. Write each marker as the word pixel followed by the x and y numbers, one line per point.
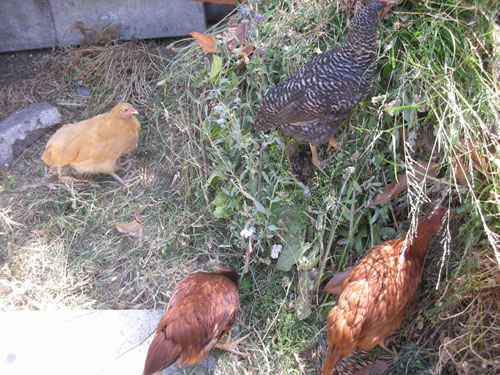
pixel 134 111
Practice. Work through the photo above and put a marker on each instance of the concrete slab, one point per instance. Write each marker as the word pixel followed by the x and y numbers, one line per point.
pixel 47 23
pixel 80 342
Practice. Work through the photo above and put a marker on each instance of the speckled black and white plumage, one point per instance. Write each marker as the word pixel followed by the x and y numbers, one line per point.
pixel 309 105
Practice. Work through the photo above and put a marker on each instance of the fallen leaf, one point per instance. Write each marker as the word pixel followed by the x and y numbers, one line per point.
pixel 423 139
pixel 236 36
pixel 458 164
pixel 379 367
pixel 133 228
pixel 206 41
pixel 393 189
pixel 479 161
pixel 303 291
pixel 247 51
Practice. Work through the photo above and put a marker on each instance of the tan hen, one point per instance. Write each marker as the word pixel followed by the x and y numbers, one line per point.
pixel 94 145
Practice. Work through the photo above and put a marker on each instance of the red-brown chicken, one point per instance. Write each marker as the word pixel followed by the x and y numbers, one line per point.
pixel 201 310
pixel 375 292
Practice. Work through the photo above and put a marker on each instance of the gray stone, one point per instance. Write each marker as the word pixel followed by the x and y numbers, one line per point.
pixel 24 127
pixel 48 23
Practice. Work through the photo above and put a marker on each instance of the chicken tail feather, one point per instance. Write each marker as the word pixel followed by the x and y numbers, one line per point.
pixel 333 358
pixel 161 354
pixel 426 229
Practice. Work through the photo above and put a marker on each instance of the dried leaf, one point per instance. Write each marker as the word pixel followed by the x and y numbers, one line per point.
pixel 392 190
pixel 379 367
pixel 303 300
pixel 133 228
pixel 479 161
pixel 206 41
pixel 236 35
pixel 458 164
pixel 247 51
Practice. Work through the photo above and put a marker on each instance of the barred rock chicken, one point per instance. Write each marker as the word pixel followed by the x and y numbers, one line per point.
pixel 309 105
pixel 94 145
pixel 375 292
pixel 201 310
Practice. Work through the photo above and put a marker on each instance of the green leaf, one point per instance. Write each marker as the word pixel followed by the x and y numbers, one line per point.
pixel 221 199
pixel 216 67
pixel 216 175
pixel 260 207
pixel 293 246
pixel 220 213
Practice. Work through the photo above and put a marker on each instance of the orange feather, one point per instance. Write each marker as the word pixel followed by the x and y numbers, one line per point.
pixel 201 310
pixel 376 291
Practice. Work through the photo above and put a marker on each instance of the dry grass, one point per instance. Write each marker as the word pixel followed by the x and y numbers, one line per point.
pixel 198 161
pixel 114 72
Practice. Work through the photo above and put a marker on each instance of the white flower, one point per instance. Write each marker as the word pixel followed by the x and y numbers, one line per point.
pixel 219 108
pixel 246 233
pixel 276 250
pixel 221 121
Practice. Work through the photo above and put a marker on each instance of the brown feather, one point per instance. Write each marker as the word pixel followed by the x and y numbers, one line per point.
pixel 376 292
pixel 201 310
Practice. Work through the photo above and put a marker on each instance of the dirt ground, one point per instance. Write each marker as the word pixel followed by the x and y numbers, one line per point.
pixel 19 65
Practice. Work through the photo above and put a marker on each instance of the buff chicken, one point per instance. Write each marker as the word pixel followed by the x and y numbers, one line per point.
pixel 373 294
pixel 309 105
pixel 201 310
pixel 94 145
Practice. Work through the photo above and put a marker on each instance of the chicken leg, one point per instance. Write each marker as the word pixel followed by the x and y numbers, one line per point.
pixel 117 178
pixel 230 346
pixel 315 161
pixel 332 143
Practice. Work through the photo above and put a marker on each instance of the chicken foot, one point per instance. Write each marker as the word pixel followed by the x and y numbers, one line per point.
pixel 384 344
pixel 125 166
pixel 332 143
pixel 117 178
pixel 315 161
pixel 230 346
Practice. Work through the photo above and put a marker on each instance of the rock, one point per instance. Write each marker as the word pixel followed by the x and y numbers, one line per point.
pixel 24 127
pixel 83 90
